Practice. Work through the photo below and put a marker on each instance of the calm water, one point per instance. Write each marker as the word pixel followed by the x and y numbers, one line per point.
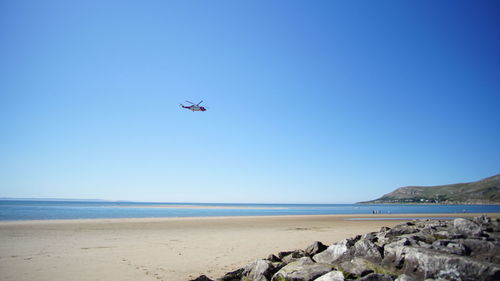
pixel 48 210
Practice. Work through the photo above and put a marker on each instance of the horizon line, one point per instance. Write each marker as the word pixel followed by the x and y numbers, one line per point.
pixel 146 201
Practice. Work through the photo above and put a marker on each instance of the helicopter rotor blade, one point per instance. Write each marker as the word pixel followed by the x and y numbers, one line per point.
pixel 199 102
pixel 190 102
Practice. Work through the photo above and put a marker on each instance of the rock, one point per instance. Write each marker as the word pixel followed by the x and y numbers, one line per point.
pixel 376 277
pixel 315 248
pixel 482 220
pixel 337 253
pixel 422 263
pixel 357 267
pixel 458 250
pixel 278 265
pixel 423 237
pixel 331 276
pixel 284 254
pixel 467 227
pixel 483 250
pixel 443 234
pixel 399 230
pixel 273 258
pixel 304 269
pixel 404 277
pixel 233 275
pixel 202 278
pixel 368 250
pixel 384 229
pixel 295 255
pixel 452 247
pixel 371 236
pixel 405 241
pixel 259 270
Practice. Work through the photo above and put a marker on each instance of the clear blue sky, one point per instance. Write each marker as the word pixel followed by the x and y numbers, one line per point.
pixel 309 101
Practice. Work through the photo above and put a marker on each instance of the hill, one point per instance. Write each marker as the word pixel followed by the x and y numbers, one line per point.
pixel 485 191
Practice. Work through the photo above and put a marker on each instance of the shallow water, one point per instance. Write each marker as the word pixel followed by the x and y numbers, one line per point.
pixel 47 210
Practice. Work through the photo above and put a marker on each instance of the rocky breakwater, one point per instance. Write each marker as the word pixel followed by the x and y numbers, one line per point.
pixel 459 249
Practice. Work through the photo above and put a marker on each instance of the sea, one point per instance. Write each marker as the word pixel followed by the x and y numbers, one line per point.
pixel 16 210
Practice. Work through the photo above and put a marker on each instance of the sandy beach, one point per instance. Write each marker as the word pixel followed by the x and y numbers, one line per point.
pixel 165 249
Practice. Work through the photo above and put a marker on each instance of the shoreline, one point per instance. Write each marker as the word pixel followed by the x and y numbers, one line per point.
pixel 360 217
pixel 200 206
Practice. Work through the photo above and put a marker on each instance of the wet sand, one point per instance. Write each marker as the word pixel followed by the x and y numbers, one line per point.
pixel 168 248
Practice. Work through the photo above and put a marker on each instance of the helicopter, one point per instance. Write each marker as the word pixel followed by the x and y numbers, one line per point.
pixel 194 107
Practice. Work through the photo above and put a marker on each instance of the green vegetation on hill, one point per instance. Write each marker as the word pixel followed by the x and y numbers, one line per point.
pixel 485 191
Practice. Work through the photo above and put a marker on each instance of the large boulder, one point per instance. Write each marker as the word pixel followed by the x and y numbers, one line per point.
pixel 273 258
pixel 451 246
pixel 331 276
pixel 337 253
pixel 482 250
pixel 284 254
pixel 304 269
pixel 315 248
pixel 402 229
pixel 232 276
pixel 372 236
pixel 431 225
pixel 389 235
pixel 368 250
pixel 467 227
pixel 259 270
pixel 357 267
pixel 444 234
pixel 422 263
pixel 295 255
pixel 483 220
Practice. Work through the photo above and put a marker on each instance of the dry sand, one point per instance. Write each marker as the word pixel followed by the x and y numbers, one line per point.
pixel 164 249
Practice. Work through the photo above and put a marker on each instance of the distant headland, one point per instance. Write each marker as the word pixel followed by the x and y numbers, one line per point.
pixel 485 191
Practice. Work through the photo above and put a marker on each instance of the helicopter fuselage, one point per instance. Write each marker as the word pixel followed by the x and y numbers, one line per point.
pixel 195 108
